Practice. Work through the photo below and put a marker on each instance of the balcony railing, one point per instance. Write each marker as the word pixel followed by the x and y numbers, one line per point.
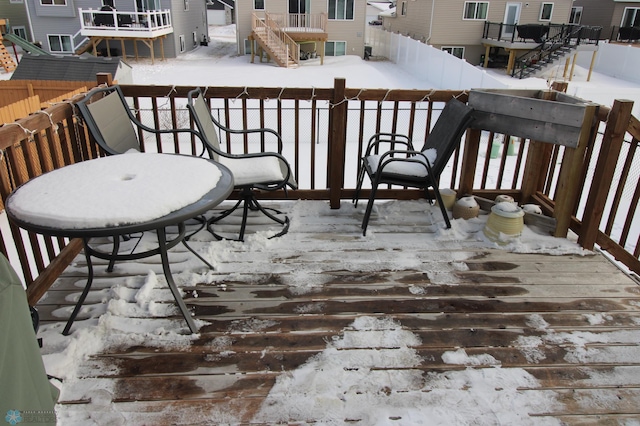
pixel 301 22
pixel 325 130
pixel 149 24
pixel 537 33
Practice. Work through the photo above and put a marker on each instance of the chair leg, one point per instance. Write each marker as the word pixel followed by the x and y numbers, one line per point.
pixel 367 213
pixel 443 209
pixel 249 202
pixel 356 195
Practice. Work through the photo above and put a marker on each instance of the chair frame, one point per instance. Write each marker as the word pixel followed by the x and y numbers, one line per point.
pixel 94 129
pixel 247 196
pixel 97 136
pixel 410 155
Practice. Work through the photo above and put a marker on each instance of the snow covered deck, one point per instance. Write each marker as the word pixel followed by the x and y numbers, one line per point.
pixel 412 322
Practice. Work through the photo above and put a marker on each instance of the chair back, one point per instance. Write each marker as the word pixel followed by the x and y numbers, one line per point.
pixel 109 120
pixel 205 123
pixel 445 136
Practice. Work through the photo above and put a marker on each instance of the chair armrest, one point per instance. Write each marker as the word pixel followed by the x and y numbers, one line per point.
pixel 408 156
pixel 388 138
pixel 257 130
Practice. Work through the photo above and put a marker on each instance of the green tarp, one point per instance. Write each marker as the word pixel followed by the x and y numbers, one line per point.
pixel 26 395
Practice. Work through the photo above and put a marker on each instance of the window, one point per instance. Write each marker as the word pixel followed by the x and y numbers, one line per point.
pixel 340 9
pixel 458 52
pixel 194 36
pixel 546 10
pixel 476 10
pixel 20 32
pixel 186 5
pixel 631 17
pixel 403 9
pixel 53 2
pixel 576 15
pixel 60 43
pixel 183 46
pixel 145 5
pixel 258 4
pixel 335 48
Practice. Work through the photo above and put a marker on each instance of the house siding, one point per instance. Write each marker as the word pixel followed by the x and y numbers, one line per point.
pixel 65 21
pixel 450 29
pixel 351 31
pixel 597 13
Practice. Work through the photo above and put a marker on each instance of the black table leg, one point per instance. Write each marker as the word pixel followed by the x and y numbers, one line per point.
pixel 162 242
pixel 87 287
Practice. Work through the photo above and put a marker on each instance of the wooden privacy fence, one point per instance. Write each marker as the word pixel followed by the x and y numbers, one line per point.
pixel 325 131
pixel 49 91
pixel 19 109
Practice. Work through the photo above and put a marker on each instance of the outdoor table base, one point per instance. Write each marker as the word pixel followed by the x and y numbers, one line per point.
pixel 162 250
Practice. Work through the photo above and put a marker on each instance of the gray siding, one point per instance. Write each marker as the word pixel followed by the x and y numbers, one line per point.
pixel 16 13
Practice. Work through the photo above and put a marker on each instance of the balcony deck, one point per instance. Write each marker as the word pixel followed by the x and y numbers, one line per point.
pixel 567 325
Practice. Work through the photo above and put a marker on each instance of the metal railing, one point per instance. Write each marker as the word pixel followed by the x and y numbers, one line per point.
pixel 509 32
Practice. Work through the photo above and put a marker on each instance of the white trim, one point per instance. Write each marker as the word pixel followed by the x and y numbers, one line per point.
pixel 475 14
pixel 542 5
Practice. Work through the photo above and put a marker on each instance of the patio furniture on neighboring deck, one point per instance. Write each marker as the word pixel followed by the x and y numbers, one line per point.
pixel 408 167
pixel 265 171
pixel 120 195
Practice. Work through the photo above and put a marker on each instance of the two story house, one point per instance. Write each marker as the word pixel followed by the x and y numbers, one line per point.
pixel 316 27
pixel 150 28
pixel 457 26
pixel 620 20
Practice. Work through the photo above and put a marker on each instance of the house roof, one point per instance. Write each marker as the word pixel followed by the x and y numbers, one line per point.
pixel 66 68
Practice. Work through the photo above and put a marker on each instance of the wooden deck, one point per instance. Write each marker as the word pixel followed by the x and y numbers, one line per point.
pixel 569 325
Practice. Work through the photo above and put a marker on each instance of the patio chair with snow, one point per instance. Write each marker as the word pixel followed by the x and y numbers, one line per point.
pixel 408 167
pixel 258 171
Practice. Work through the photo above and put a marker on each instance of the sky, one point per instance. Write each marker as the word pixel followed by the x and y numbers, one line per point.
pixel 133 309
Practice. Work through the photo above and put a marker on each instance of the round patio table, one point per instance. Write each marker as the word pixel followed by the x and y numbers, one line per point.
pixel 120 195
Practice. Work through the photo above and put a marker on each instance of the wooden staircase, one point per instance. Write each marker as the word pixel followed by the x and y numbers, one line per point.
pixel 5 57
pixel 275 42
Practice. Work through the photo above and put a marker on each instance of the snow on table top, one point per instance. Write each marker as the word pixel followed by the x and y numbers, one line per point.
pixel 117 190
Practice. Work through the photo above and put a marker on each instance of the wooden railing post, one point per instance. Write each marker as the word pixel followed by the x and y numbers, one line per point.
pixel 536 165
pixel 570 177
pixel 612 140
pixel 469 160
pixel 104 78
pixel 337 142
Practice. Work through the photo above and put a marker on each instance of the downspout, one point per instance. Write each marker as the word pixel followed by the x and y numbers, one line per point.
pixel 33 37
pixel 433 7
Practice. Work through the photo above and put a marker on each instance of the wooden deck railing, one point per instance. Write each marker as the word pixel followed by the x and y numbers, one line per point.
pixel 325 130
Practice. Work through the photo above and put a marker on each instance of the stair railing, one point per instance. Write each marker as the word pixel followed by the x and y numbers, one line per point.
pixel 277 39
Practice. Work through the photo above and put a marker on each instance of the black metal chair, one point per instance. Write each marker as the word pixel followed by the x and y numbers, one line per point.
pixel 263 171
pixel 408 167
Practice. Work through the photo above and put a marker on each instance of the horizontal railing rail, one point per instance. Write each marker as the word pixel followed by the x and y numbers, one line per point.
pixel 301 22
pixel 151 21
pixel 325 131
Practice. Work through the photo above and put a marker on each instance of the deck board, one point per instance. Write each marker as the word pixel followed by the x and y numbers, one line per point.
pixel 570 321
